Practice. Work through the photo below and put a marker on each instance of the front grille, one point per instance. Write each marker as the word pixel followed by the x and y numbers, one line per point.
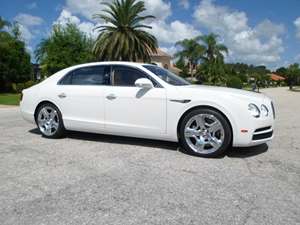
pixel 262 129
pixel 273 109
pixel 262 136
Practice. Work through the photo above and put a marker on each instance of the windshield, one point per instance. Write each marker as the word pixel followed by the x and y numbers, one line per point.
pixel 166 75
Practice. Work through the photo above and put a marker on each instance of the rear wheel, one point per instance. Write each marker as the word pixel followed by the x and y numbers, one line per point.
pixel 205 132
pixel 49 121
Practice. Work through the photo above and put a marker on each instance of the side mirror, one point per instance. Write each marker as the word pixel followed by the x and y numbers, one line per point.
pixel 143 83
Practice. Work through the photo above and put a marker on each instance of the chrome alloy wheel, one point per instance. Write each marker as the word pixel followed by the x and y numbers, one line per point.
pixel 48 120
pixel 204 133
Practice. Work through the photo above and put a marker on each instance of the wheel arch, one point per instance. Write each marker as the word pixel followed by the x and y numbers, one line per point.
pixel 206 107
pixel 41 103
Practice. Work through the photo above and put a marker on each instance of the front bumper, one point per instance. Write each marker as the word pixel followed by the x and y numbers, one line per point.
pixel 261 133
pixel 258 130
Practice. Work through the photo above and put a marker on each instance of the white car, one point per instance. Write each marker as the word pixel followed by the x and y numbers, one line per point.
pixel 147 101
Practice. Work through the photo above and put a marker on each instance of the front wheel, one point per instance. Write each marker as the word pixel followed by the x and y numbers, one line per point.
pixel 205 132
pixel 49 121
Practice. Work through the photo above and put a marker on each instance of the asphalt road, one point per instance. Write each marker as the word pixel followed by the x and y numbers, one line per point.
pixel 97 179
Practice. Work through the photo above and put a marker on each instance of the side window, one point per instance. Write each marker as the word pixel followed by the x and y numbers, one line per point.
pixel 92 75
pixel 67 79
pixel 125 76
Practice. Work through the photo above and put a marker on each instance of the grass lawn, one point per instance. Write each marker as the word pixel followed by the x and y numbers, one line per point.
pixel 9 99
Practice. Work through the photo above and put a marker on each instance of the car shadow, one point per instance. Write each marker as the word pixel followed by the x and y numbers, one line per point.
pixel 244 152
pixel 117 139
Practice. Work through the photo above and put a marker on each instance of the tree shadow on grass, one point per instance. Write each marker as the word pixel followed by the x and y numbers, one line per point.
pixel 232 152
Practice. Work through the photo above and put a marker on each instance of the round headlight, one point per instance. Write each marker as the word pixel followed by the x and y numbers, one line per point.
pixel 254 110
pixel 264 110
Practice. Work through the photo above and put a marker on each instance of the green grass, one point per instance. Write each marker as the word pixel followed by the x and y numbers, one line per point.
pixel 9 99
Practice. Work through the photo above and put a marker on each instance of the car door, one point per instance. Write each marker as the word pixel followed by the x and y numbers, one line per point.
pixel 133 110
pixel 81 98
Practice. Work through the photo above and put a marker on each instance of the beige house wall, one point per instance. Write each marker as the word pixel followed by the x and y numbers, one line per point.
pixel 164 60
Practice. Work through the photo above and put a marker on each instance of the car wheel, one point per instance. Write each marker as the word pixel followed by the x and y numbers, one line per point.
pixel 205 132
pixel 49 121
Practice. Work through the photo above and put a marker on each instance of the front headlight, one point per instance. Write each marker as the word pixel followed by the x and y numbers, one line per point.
pixel 264 110
pixel 254 110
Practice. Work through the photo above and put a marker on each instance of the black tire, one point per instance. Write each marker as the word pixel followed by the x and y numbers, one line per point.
pixel 60 129
pixel 226 126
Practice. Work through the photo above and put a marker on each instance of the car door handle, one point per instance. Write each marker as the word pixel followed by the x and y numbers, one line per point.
pixel 111 97
pixel 62 95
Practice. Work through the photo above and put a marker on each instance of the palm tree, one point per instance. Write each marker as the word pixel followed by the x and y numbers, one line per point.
pixel 213 50
pixel 213 59
pixel 123 37
pixel 191 51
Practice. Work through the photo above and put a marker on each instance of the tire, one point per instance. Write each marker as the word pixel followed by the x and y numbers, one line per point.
pixel 205 132
pixel 49 121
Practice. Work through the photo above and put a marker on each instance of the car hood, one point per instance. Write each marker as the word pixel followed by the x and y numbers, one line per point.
pixel 221 91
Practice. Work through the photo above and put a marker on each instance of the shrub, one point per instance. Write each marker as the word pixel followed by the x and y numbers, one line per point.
pixel 234 82
pixel 18 87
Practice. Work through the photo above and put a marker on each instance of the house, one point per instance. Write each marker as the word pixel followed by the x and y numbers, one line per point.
pixel 163 59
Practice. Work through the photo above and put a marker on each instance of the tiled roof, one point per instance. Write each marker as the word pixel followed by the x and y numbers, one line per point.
pixel 276 77
pixel 160 52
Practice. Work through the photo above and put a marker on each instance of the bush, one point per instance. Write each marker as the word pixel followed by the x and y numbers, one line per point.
pixel 18 87
pixel 234 82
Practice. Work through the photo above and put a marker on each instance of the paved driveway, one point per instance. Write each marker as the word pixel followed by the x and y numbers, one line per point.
pixel 97 179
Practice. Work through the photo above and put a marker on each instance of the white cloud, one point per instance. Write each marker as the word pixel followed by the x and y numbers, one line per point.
pixel 170 50
pixel 67 17
pixel 32 5
pixel 268 29
pixel 27 24
pixel 297 25
pixel 88 8
pixel 259 45
pixel 164 32
pixel 172 32
pixel 28 20
pixel 184 3
pixel 158 8
pixel 85 26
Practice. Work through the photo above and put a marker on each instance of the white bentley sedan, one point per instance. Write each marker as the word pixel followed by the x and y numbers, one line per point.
pixel 146 101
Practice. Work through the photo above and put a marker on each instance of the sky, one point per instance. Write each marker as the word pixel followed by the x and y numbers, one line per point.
pixel 259 32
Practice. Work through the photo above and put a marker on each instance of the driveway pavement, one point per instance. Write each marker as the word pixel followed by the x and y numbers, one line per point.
pixel 98 179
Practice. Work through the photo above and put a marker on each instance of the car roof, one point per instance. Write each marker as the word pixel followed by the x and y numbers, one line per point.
pixel 111 63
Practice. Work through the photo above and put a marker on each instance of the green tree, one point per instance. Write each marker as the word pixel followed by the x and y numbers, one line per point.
pixel 281 71
pixel 214 51
pixel 213 66
pixel 191 51
pixel 66 46
pixel 15 66
pixel 212 72
pixel 4 23
pixel 123 37
pixel 293 75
